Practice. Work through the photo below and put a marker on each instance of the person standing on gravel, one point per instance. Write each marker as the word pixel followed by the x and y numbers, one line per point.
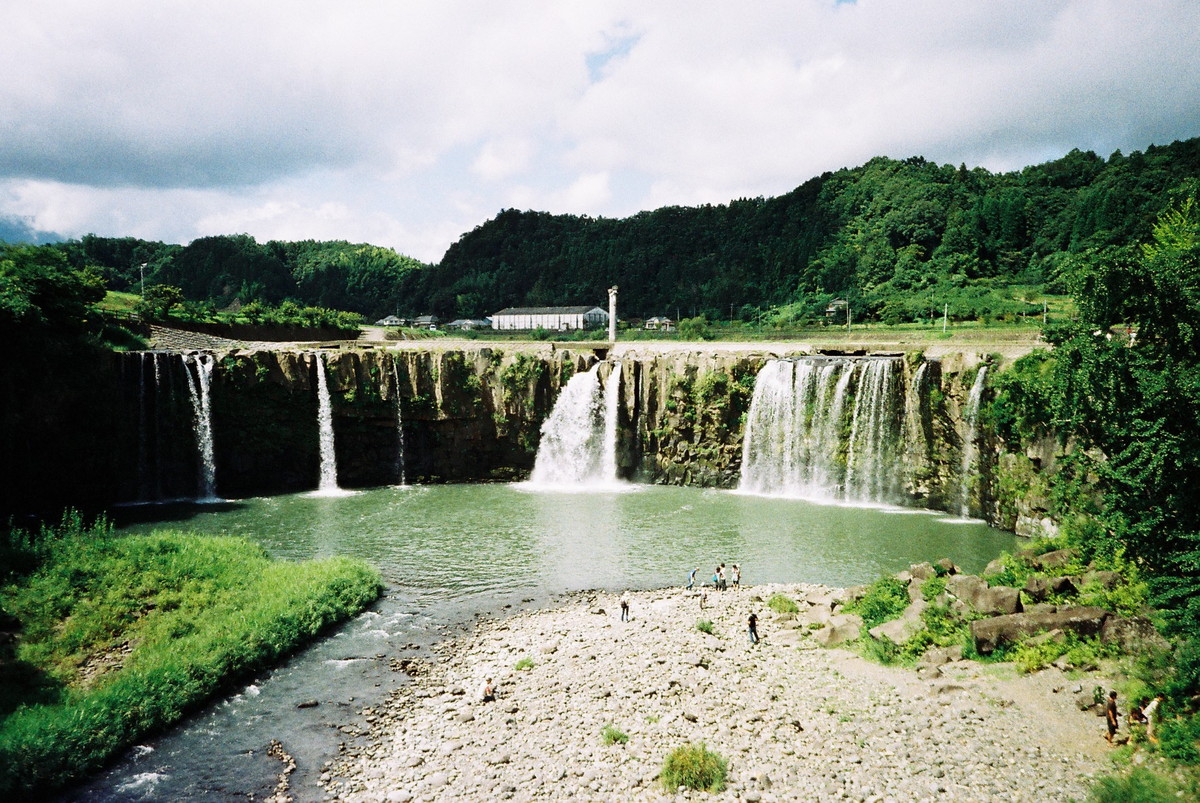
pixel 1111 716
pixel 489 691
pixel 692 578
pixel 753 621
pixel 625 607
pixel 737 576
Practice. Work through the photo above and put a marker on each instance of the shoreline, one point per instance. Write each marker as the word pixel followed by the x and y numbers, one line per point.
pixel 794 720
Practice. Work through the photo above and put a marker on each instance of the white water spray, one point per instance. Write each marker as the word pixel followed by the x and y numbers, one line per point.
pixel 801 441
pixel 199 389
pixel 328 483
pixel 970 449
pixel 578 446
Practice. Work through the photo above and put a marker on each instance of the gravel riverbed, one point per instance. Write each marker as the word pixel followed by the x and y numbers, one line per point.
pixel 794 720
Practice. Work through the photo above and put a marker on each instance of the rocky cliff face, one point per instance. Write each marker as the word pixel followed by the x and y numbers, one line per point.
pixel 474 414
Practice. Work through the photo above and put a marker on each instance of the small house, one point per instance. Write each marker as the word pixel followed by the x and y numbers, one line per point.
pixel 426 322
pixel 660 324
pixel 390 320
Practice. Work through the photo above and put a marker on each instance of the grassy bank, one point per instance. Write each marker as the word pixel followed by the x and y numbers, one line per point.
pixel 118 636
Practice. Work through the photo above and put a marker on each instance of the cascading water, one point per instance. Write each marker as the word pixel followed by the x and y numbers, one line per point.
pixel 871 462
pixel 612 411
pixel 970 448
pixel 327 486
pixel 199 389
pixel 400 456
pixel 578 446
pixel 791 441
pixel 802 441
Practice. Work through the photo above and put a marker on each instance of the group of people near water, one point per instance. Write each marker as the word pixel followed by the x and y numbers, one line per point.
pixel 1142 717
pixel 719 581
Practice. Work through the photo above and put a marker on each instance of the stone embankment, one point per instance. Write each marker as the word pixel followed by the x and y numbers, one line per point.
pixel 796 721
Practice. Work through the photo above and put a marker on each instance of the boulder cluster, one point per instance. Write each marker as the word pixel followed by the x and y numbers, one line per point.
pixel 1044 608
pixel 794 721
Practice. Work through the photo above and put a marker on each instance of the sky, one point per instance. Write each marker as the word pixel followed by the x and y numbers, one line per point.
pixel 406 123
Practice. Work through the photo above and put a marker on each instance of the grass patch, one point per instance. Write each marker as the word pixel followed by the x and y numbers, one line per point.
pixel 523 664
pixel 1139 786
pixel 706 626
pixel 611 734
pixel 781 603
pixel 124 635
pixel 694 766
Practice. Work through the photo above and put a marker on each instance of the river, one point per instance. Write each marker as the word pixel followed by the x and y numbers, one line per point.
pixel 452 553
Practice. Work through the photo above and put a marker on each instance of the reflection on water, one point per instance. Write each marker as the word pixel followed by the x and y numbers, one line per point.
pixel 457 540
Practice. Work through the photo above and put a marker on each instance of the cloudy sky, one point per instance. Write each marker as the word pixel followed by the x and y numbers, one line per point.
pixel 408 122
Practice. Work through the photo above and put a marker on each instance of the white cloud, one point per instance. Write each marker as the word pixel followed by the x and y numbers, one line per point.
pixel 409 123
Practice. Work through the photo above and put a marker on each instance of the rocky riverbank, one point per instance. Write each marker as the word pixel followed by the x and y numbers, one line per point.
pixel 795 721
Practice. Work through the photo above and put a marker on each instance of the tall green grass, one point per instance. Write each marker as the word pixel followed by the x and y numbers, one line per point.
pixel 175 618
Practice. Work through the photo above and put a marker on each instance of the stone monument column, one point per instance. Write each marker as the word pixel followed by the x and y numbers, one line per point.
pixel 612 314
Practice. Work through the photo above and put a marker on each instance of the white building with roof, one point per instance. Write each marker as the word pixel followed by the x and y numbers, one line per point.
pixel 551 318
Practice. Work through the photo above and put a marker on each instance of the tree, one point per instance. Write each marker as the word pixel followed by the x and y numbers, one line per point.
pixel 159 300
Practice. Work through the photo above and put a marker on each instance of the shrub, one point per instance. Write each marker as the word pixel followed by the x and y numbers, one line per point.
pixel 885 599
pixel 705 626
pixel 523 664
pixel 613 735
pixel 694 766
pixel 1139 786
pixel 781 603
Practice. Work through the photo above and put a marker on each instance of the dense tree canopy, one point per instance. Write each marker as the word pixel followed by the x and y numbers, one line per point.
pixel 900 238
pixel 219 270
pixel 1123 385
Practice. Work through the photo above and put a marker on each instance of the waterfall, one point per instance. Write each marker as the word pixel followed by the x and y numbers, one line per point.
pixel 871 464
pixel 577 450
pixel 970 447
pixel 400 457
pixel 824 429
pixel 199 389
pixel 612 411
pixel 328 483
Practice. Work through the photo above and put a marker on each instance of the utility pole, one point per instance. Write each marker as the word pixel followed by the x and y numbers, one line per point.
pixel 945 312
pixel 1043 313
pixel 847 320
pixel 142 268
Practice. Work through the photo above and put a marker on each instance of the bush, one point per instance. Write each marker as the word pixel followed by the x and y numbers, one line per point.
pixel 523 664
pixel 885 599
pixel 705 626
pixel 1178 739
pixel 1139 786
pixel 613 735
pixel 781 603
pixel 694 766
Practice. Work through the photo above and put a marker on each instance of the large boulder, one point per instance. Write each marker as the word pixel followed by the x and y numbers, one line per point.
pixel 1040 588
pixel 899 631
pixel 922 571
pixel 840 629
pixel 1011 628
pixel 1055 560
pixel 981 597
pixel 1133 633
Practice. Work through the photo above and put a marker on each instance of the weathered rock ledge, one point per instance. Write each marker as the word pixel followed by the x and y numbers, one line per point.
pixel 794 720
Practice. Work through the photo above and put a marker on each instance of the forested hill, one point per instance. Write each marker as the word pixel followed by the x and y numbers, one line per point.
pixel 896 237
pixel 337 275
